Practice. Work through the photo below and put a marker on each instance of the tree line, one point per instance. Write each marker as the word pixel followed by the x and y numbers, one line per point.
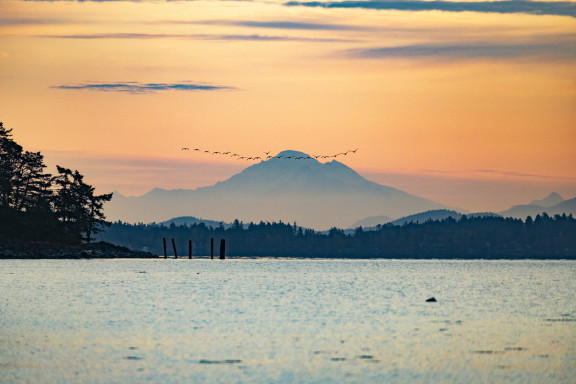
pixel 36 206
pixel 467 237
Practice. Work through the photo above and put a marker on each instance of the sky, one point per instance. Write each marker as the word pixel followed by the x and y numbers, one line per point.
pixel 470 104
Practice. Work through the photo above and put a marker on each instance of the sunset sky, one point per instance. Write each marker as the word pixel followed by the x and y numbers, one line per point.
pixel 470 104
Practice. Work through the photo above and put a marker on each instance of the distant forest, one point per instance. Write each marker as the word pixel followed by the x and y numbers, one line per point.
pixel 37 207
pixel 543 237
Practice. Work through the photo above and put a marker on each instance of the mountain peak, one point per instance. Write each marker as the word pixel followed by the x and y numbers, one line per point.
pixel 549 201
pixel 292 153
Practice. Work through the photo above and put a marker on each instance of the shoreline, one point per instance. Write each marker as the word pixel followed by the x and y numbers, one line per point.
pixel 103 250
pixel 99 250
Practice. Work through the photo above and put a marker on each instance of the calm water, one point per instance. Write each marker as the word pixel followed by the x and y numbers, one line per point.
pixel 287 321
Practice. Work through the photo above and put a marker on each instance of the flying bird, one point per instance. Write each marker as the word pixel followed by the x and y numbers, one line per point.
pixel 268 156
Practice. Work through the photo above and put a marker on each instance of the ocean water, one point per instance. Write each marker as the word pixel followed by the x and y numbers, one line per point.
pixel 287 321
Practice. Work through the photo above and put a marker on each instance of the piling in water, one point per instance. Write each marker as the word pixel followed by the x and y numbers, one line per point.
pixel 164 241
pixel 211 247
pixel 222 249
pixel 174 246
pixel 189 249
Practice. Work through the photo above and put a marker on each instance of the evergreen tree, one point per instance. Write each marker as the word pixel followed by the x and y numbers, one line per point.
pixel 76 204
pixel 35 206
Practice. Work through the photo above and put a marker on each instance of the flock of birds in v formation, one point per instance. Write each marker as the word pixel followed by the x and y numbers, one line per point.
pixel 268 156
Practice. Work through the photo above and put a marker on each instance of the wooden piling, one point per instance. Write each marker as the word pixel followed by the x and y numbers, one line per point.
pixel 164 241
pixel 189 249
pixel 211 247
pixel 174 246
pixel 222 249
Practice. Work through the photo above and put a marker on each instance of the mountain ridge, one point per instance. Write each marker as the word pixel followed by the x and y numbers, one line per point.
pixel 524 210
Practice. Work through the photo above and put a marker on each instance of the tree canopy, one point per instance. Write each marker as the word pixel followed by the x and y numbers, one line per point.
pixel 465 238
pixel 36 206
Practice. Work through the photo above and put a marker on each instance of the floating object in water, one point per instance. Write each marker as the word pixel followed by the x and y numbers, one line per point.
pixel 431 300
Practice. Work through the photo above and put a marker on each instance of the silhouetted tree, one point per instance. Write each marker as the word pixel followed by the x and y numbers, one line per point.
pixel 35 206
pixel 77 206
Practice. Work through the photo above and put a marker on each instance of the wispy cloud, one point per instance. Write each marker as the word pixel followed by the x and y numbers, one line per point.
pixel 278 24
pixel 146 36
pixel 139 88
pixel 132 1
pixel 558 8
pixel 561 50
pixel 524 175
pixel 30 21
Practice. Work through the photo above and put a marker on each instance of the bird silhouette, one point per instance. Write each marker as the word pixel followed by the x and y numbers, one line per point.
pixel 268 156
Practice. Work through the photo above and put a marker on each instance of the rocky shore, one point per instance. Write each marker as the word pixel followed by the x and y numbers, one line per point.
pixel 100 250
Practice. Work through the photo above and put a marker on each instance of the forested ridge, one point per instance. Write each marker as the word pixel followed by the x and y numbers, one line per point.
pixel 474 237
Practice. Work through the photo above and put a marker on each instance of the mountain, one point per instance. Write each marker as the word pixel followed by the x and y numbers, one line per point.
pixel 522 211
pixel 314 194
pixel 549 201
pixel 567 207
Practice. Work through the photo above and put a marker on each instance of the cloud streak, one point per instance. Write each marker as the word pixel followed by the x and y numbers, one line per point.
pixel 557 8
pixel 278 24
pixel 562 50
pixel 525 175
pixel 140 88
pixel 30 21
pixel 149 36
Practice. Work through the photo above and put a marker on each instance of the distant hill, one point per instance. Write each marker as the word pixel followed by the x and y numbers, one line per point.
pixel 189 220
pixel 372 221
pixel 313 194
pixel 567 206
pixel 438 214
pixel 522 211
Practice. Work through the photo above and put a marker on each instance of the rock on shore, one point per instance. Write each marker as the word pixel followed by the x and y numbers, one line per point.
pixel 100 250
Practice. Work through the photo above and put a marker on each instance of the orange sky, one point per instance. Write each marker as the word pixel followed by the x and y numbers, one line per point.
pixel 471 109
